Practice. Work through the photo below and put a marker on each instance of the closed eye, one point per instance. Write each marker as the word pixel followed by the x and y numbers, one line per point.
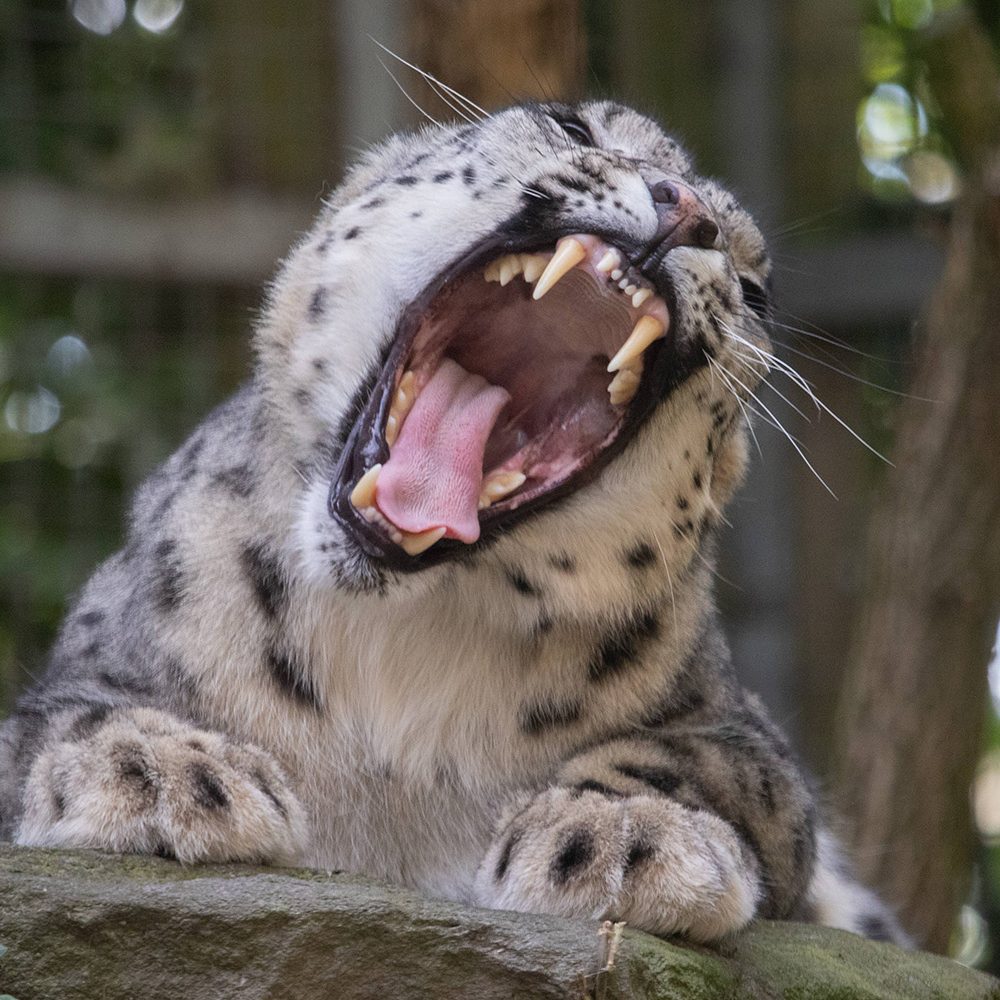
pixel 576 130
pixel 755 297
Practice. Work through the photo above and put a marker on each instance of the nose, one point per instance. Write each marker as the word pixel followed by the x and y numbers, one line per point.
pixel 683 219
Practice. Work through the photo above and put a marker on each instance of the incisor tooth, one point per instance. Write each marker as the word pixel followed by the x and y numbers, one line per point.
pixel 648 329
pixel 569 253
pixel 623 387
pixel 509 266
pixel 363 495
pixel 414 544
pixel 499 485
pixel 534 264
pixel 640 297
pixel 608 262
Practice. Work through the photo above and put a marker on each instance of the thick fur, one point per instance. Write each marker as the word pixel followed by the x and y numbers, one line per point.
pixel 550 723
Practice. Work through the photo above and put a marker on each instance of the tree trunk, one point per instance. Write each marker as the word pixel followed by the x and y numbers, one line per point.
pixel 498 53
pixel 913 708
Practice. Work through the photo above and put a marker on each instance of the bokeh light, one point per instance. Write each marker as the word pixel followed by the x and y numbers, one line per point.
pixel 157 15
pixel 32 412
pixel 99 16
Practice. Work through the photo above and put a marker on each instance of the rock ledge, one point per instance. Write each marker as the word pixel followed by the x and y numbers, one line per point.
pixel 88 925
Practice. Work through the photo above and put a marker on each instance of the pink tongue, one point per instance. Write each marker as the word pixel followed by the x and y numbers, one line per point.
pixel 435 472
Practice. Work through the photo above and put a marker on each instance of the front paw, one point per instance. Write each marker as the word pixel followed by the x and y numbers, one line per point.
pixel 147 783
pixel 647 861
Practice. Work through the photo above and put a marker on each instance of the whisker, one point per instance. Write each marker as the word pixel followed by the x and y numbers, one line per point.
pixel 405 94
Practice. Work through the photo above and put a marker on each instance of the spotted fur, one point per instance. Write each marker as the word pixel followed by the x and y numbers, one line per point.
pixel 548 723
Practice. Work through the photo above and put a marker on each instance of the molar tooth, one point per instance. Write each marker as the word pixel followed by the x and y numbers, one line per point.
pixel 509 266
pixel 608 262
pixel 569 253
pixel 391 429
pixel 640 296
pixel 498 486
pixel 646 330
pixel 363 494
pixel 421 541
pixel 492 271
pixel 533 264
pixel 623 387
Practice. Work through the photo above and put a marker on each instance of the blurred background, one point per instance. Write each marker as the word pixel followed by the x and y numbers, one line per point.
pixel 158 156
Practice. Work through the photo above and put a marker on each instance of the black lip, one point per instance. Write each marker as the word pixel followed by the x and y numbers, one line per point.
pixel 365 445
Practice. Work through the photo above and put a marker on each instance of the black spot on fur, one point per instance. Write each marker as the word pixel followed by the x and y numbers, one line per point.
pixel 88 723
pixel 352 233
pixel 639 851
pixel 522 584
pixel 91 650
pixel 261 782
pixel 237 480
pixel 682 503
pixel 290 675
pixel 206 787
pixel 319 364
pixel 445 175
pixel 125 683
pixel 135 770
pixel 535 719
pixel 162 850
pixel 374 203
pixel 468 174
pixel 640 556
pixel 622 646
pixel 872 926
pixel 589 785
pixel 665 782
pixel 91 618
pixel 168 581
pixel 408 180
pixel 503 861
pixel 317 304
pixel 563 562
pixel 576 852
pixel 58 804
pixel 696 480
pixel 266 577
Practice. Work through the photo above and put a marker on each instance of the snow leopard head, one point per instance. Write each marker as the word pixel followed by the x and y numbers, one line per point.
pixel 545 312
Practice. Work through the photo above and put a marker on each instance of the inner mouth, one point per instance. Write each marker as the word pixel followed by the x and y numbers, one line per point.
pixel 513 384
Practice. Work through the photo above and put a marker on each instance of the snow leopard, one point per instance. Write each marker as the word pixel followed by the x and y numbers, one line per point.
pixel 431 597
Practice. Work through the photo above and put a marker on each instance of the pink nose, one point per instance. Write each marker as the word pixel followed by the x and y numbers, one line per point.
pixel 683 219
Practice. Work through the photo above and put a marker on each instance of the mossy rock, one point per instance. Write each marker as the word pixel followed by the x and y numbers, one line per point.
pixel 89 925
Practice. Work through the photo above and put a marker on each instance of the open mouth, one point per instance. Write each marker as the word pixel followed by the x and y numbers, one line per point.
pixel 511 381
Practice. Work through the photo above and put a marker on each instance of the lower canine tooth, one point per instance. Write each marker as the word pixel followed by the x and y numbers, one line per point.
pixel 623 387
pixel 414 544
pixel 648 329
pixel 500 485
pixel 569 253
pixel 363 495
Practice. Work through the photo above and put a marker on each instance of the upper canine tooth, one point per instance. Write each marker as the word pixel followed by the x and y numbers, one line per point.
pixel 533 264
pixel 569 253
pixel 646 330
pixel 640 296
pixel 608 262
pixel 623 387
pixel 415 543
pixel 363 494
pixel 509 266
pixel 499 485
